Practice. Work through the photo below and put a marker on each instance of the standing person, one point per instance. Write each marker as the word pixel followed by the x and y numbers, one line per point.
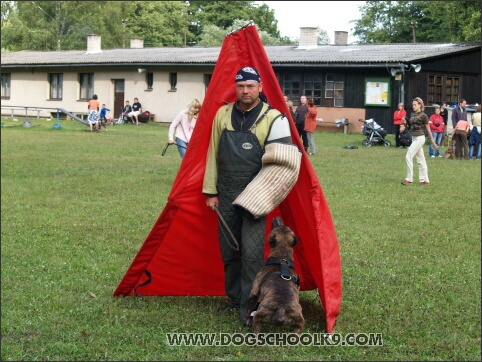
pixel 474 141
pixel 103 115
pixel 136 110
pixel 290 107
pixel 460 139
pixel 310 125
pixel 241 133
pixel 398 119
pixel 445 115
pixel 437 126
pixel 300 120
pixel 459 113
pixel 93 118
pixel 418 124
pixel 183 125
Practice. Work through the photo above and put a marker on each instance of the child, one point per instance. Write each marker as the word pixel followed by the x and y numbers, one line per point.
pixel 437 126
pixel 405 137
pixel 102 115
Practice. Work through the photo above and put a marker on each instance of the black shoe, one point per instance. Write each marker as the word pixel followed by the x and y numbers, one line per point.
pixel 228 308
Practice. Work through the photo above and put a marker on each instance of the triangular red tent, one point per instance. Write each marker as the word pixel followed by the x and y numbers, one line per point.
pixel 181 257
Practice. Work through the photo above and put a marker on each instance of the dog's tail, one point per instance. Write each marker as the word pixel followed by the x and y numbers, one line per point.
pixel 279 317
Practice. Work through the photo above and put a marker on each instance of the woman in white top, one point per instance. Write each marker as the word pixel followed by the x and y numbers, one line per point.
pixel 183 125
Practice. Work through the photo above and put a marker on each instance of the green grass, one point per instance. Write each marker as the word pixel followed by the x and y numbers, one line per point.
pixel 76 207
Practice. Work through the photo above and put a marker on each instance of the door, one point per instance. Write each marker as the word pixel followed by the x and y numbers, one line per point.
pixel 118 97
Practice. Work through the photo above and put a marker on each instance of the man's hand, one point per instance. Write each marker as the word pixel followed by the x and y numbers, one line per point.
pixel 212 202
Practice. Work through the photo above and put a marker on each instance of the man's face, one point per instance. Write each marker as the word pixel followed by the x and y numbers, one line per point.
pixel 303 99
pixel 463 104
pixel 248 92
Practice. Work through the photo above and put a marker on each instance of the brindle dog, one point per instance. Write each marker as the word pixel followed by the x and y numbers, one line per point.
pixel 276 286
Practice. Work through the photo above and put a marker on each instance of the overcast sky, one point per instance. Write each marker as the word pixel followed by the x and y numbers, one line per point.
pixel 330 16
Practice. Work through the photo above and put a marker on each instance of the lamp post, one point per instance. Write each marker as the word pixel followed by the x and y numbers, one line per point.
pixel 186 4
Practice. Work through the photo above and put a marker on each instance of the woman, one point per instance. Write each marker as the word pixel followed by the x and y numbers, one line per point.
pixel 474 140
pixel 461 140
pixel 310 125
pixel 398 119
pixel 418 124
pixel 184 124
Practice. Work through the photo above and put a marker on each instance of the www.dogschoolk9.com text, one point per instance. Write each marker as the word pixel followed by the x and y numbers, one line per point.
pixel 274 339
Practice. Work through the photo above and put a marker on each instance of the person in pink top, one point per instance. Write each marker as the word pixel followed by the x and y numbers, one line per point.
pixel 398 119
pixel 310 125
pixel 436 123
pixel 183 125
pixel 460 139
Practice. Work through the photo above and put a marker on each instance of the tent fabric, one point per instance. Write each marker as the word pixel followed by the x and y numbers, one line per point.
pixel 181 257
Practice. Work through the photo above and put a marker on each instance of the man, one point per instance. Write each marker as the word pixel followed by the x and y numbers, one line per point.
pixel 240 134
pixel 136 110
pixel 300 113
pixel 459 113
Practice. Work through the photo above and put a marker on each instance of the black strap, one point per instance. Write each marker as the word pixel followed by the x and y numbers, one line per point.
pixel 260 118
pixel 278 261
pixel 149 279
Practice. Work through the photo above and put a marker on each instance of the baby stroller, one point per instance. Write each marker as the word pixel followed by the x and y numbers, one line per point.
pixel 375 134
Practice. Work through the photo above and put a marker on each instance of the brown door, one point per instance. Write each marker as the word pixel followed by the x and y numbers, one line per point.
pixel 118 97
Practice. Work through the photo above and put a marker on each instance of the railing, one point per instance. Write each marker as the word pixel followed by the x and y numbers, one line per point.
pixel 27 111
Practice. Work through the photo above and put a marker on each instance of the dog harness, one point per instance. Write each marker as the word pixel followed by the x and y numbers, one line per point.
pixel 284 267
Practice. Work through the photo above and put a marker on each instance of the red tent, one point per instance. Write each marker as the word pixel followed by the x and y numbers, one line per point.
pixel 181 256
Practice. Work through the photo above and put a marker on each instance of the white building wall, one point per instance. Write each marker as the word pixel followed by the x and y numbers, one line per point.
pixel 31 89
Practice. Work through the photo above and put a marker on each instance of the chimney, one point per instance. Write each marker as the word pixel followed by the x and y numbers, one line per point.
pixel 308 37
pixel 341 38
pixel 93 43
pixel 137 43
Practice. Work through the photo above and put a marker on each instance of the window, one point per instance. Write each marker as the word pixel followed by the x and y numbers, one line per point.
pixel 149 80
pixel 86 81
pixel 452 89
pixel 173 81
pixel 312 87
pixel 56 85
pixel 334 90
pixel 294 85
pixel 6 77
pixel 442 89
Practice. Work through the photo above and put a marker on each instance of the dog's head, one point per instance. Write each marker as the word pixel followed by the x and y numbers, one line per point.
pixel 281 235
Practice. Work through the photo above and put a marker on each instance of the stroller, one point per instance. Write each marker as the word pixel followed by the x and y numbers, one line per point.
pixel 375 134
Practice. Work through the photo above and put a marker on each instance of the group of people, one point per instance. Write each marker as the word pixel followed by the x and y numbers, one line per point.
pixel 131 113
pixel 305 119
pixel 411 132
pixel 97 115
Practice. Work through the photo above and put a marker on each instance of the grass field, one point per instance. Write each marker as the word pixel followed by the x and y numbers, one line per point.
pixel 76 207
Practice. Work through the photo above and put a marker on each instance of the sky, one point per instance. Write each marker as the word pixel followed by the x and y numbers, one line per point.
pixel 330 16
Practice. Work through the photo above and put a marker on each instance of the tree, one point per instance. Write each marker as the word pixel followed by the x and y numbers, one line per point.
pixel 421 21
pixel 322 36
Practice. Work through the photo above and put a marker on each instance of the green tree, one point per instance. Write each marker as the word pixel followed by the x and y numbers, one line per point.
pixel 420 21
pixel 322 36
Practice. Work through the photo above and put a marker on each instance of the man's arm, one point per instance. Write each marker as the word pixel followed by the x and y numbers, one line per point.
pixel 280 131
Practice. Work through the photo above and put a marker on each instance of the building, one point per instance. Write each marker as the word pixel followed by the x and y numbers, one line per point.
pixel 345 80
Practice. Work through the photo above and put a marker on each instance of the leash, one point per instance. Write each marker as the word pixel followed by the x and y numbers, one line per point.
pixel 236 247
pixel 168 144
